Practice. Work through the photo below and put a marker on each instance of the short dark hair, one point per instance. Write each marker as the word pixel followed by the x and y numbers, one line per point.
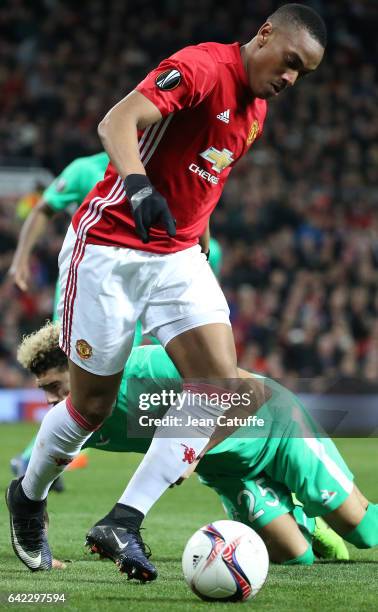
pixel 301 16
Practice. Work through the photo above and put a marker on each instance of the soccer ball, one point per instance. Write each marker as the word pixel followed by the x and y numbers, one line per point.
pixel 225 561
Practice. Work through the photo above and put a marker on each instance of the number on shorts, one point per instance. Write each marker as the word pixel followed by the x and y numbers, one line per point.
pixel 251 504
pixel 252 515
pixel 265 490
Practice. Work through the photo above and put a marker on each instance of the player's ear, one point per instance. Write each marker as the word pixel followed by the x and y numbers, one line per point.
pixel 264 33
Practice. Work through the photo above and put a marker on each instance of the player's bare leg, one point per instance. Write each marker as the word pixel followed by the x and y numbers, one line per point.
pixel 347 516
pixel 364 501
pixel 67 426
pixel 285 542
pixel 93 396
pixel 167 459
pixel 356 520
pixel 206 351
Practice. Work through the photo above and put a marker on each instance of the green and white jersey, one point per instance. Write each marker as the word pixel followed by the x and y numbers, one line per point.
pixel 75 181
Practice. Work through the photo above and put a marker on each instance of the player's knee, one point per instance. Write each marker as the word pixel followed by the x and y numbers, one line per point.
pixel 307 558
pixel 94 409
pixel 365 535
pixel 98 411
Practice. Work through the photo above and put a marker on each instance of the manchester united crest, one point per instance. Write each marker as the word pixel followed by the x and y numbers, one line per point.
pixel 83 349
pixel 253 131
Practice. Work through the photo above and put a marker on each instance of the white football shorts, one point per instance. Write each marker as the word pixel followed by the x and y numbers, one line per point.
pixel 105 290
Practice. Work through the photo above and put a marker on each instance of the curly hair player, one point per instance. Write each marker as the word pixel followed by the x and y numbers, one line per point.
pixel 253 477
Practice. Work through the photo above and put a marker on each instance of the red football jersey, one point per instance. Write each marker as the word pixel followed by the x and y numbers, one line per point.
pixel 209 120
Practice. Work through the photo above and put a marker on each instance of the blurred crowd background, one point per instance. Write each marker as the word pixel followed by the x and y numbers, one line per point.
pixel 298 221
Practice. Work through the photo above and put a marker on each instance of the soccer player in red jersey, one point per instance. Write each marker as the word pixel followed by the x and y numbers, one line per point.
pixel 132 253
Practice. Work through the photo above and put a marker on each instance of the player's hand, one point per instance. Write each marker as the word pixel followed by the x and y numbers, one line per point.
pixel 56 564
pixel 206 253
pixel 19 274
pixel 148 206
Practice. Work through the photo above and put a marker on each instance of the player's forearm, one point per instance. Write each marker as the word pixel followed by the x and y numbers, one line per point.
pixel 120 140
pixel 118 132
pixel 33 228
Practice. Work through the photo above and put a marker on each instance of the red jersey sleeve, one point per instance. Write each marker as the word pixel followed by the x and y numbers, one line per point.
pixel 181 81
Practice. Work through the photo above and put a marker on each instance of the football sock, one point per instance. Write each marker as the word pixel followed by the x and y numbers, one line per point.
pixel 365 535
pixel 307 558
pixel 125 516
pixel 163 464
pixel 173 449
pixel 26 454
pixel 59 439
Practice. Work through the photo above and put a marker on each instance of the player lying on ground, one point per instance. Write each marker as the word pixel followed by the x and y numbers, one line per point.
pixel 252 475
pixel 132 253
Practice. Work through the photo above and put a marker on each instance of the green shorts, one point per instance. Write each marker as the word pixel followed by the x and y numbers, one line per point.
pixel 255 494
pixel 254 502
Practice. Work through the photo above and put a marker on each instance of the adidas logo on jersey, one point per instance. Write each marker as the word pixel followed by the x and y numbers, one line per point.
pixel 225 116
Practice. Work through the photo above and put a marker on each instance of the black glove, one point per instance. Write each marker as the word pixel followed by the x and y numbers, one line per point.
pixel 148 206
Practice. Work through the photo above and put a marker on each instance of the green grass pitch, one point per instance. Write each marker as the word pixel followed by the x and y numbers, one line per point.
pixel 89 584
